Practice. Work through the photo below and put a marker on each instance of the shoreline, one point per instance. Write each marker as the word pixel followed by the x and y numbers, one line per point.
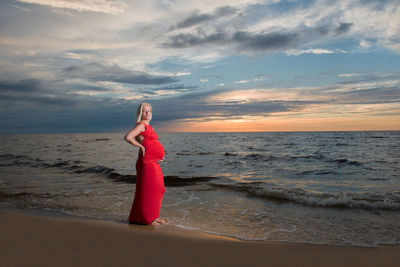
pixel 172 229
pixel 56 240
pixel 163 228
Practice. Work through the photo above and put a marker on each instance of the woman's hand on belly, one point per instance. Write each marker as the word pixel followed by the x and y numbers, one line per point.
pixel 160 160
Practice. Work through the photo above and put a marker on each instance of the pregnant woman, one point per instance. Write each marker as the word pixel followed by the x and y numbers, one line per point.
pixel 149 178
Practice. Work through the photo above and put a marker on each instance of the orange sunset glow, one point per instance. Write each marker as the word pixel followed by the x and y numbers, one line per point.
pixel 323 116
pixel 278 124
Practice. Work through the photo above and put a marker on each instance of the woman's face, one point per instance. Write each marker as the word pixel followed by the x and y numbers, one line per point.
pixel 146 113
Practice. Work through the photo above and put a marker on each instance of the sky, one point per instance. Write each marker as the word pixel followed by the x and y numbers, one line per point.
pixel 204 66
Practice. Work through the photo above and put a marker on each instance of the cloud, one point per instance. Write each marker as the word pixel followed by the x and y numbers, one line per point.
pixel 184 73
pixel 219 104
pixel 20 7
pixel 215 30
pixel 104 6
pixel 31 92
pixel 197 18
pixel 349 74
pixel 100 72
pixel 79 55
pixel 256 78
pixel 178 87
pixel 343 28
pixel 370 90
pixel 21 86
pixel 365 19
pixel 264 41
pixel 243 40
pixel 241 81
pixel 380 78
pixel 364 44
pixel 316 51
pixel 254 42
pixel 196 106
pixel 184 40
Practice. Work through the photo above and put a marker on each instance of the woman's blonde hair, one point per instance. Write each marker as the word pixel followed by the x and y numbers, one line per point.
pixel 140 111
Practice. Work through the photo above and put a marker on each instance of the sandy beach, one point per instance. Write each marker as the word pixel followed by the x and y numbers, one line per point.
pixel 33 240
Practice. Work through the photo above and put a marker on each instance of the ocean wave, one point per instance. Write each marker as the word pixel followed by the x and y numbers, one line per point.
pixel 188 153
pixel 289 158
pixel 295 157
pixel 184 153
pixel 205 153
pixel 110 173
pixel 259 157
pixel 366 200
pixel 341 144
pixel 30 195
pixel 361 200
pixel 345 162
pixel 376 179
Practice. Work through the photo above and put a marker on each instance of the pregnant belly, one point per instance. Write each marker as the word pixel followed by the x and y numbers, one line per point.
pixel 154 150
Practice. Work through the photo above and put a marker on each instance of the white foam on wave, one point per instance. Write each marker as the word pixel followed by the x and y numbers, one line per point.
pixel 368 200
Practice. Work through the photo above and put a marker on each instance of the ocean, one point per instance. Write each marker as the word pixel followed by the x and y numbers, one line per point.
pixel 337 188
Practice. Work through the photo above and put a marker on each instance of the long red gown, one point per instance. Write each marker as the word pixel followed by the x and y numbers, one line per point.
pixel 149 180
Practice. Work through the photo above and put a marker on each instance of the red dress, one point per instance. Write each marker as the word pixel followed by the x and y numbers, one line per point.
pixel 149 180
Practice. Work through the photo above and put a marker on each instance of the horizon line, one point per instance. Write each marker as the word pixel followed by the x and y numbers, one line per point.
pixel 276 131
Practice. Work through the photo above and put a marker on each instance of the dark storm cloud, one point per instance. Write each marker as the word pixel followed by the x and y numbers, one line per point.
pixel 379 94
pixel 99 72
pixel 343 28
pixel 86 113
pixel 192 108
pixel 197 18
pixel 24 86
pixel 98 115
pixel 197 106
pixel 32 92
pixel 193 20
pixel 367 89
pixel 177 87
pixel 148 92
pixel 81 51
pixel 270 41
pixel 40 100
pixel 184 40
pixel 31 105
pixel 370 78
pixel 244 40
pixel 84 87
pixel 247 41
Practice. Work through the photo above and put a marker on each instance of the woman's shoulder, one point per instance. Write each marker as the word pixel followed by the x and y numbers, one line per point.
pixel 142 124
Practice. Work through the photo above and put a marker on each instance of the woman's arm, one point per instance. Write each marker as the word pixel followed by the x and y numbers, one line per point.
pixel 130 136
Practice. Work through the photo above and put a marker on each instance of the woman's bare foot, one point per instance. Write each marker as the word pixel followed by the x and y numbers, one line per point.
pixel 154 223
pixel 159 220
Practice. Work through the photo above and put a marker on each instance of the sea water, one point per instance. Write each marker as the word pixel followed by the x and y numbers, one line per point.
pixel 339 188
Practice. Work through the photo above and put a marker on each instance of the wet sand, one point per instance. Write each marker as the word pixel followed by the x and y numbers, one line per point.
pixel 39 240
